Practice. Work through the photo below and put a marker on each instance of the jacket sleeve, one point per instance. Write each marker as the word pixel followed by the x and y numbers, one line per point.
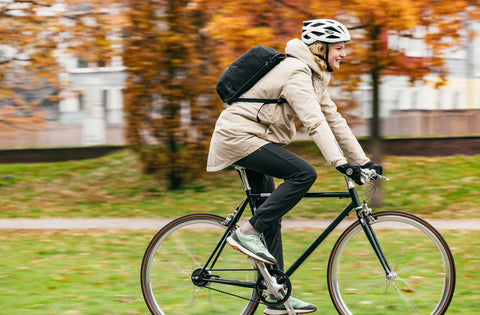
pixel 342 132
pixel 299 93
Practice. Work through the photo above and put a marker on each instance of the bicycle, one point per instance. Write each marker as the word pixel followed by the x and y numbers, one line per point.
pixel 372 269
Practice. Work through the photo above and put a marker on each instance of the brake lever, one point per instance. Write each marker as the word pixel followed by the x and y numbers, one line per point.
pixel 368 174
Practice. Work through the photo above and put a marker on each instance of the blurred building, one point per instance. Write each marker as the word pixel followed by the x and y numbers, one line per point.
pixel 423 110
pixel 91 111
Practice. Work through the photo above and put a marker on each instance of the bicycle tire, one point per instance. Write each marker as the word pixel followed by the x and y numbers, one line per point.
pixel 178 249
pixel 416 252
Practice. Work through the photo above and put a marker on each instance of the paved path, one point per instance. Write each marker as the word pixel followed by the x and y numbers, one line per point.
pixel 155 224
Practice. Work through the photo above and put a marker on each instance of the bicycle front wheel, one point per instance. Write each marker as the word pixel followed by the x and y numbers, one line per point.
pixel 179 250
pixel 423 271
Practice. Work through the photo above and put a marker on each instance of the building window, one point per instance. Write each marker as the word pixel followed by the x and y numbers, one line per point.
pixel 112 103
pixel 81 63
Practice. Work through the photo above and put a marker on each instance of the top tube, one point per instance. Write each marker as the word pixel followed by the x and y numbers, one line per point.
pixel 246 184
pixel 340 195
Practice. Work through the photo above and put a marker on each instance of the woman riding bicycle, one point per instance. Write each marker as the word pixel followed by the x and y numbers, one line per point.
pixel 252 135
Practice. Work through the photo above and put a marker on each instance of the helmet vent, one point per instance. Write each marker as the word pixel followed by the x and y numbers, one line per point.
pixel 331 29
pixel 326 31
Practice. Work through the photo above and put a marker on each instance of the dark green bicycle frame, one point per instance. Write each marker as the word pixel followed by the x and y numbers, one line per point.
pixel 355 205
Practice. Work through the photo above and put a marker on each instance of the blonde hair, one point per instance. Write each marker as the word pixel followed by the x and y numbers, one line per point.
pixel 319 48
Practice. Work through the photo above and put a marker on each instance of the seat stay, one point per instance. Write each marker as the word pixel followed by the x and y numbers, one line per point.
pixel 231 223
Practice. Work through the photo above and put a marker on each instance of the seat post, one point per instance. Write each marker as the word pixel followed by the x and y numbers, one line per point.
pixel 243 175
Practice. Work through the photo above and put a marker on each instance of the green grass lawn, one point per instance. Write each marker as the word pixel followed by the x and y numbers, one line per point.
pixel 97 272
pixel 113 186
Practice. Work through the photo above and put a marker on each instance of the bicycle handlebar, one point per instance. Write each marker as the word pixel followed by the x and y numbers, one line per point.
pixel 369 174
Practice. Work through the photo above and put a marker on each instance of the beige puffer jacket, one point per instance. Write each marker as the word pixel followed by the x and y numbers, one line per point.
pixel 238 133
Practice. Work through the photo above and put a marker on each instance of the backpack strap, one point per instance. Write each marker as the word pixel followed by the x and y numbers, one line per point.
pixel 261 100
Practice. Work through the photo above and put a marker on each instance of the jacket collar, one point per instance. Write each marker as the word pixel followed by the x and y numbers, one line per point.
pixel 300 50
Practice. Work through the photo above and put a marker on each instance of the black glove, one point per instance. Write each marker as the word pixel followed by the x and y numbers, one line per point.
pixel 372 166
pixel 353 171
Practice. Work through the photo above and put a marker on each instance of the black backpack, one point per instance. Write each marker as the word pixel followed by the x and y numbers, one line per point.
pixel 247 70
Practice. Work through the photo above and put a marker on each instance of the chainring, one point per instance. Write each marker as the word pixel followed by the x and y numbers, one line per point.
pixel 282 279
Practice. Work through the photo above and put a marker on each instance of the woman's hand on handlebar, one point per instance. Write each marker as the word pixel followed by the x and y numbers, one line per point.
pixel 362 174
pixel 354 171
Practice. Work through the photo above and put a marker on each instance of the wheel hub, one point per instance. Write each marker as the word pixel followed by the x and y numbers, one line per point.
pixel 199 277
pixel 392 276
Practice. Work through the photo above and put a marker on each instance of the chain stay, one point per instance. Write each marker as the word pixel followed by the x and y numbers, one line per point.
pixel 232 294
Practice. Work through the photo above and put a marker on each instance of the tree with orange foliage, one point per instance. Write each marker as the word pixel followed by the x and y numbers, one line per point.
pixel 170 101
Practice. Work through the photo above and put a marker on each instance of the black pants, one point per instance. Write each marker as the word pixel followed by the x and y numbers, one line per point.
pixel 262 166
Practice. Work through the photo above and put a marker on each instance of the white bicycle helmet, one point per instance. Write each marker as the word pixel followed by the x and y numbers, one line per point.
pixel 323 30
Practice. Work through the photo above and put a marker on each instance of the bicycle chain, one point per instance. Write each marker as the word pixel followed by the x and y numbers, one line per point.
pixel 232 294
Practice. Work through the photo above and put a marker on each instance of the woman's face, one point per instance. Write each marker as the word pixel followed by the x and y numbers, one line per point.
pixel 336 54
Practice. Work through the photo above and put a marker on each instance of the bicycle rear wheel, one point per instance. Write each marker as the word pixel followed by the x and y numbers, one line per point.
pixel 180 248
pixel 423 281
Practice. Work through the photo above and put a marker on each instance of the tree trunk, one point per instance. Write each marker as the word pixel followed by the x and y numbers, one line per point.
pixel 376 144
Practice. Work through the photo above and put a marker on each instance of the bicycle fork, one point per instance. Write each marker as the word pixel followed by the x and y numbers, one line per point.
pixel 365 219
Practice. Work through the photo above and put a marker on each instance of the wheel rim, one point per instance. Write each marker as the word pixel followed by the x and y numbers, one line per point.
pixel 423 274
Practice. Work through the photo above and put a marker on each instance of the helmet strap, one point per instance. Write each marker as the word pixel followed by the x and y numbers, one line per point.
pixel 329 69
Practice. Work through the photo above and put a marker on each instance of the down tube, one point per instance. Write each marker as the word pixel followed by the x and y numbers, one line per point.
pixel 320 239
